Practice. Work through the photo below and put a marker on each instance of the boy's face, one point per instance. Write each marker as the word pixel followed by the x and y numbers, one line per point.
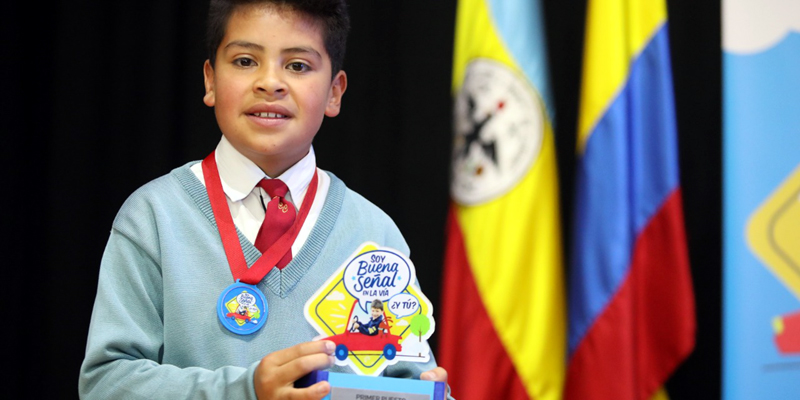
pixel 376 312
pixel 271 86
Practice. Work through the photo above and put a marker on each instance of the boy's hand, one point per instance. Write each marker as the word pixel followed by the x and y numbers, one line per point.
pixel 275 375
pixel 437 374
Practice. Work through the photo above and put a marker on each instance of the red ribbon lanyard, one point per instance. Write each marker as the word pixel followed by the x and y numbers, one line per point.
pixel 230 239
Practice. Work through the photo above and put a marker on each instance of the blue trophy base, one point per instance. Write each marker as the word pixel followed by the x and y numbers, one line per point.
pixel 360 387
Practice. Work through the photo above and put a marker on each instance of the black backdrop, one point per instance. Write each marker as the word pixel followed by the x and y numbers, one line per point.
pixel 100 97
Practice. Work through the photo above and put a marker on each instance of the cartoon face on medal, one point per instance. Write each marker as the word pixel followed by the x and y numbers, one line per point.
pixel 242 308
pixel 373 311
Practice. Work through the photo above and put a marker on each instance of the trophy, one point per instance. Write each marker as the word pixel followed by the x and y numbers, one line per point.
pixel 377 316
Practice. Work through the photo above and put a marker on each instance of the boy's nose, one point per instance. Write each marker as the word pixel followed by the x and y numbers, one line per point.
pixel 270 83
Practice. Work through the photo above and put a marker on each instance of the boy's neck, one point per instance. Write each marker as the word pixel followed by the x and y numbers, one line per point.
pixel 273 167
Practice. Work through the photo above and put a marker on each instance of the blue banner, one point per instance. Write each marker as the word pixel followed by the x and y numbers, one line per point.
pixel 761 152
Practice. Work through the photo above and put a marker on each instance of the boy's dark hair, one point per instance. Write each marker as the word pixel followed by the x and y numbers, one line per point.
pixel 377 304
pixel 331 15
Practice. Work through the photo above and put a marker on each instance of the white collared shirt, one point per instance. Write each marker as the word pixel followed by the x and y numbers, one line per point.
pixel 239 176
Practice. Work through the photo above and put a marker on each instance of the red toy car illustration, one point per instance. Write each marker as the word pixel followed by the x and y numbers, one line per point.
pixel 787 333
pixel 383 342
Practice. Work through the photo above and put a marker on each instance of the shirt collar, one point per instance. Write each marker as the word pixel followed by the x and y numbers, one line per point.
pixel 239 175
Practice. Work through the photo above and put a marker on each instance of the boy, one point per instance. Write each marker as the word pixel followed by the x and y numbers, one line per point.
pixel 273 72
pixel 371 327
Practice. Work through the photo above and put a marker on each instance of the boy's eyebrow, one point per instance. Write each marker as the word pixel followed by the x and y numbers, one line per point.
pixel 295 50
pixel 245 44
pixel 258 47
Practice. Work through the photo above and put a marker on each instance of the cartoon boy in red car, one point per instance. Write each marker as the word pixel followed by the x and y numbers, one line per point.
pixel 371 326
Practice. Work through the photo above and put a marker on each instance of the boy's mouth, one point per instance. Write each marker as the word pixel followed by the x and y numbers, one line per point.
pixel 268 115
pixel 266 112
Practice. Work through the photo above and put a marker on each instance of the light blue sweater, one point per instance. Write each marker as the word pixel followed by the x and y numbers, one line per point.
pixel 154 331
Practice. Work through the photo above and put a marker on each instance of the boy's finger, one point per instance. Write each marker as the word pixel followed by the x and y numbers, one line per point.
pixel 284 356
pixel 297 368
pixel 437 374
pixel 314 392
pixel 271 379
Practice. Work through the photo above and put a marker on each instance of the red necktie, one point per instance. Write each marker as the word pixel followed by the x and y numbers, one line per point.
pixel 278 219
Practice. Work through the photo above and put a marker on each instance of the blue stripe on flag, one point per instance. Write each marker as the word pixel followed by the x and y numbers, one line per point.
pixel 520 25
pixel 627 171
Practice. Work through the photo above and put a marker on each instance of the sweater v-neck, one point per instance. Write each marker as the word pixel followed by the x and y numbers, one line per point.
pixel 279 281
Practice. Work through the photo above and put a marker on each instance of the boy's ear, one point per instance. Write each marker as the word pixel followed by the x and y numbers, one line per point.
pixel 338 86
pixel 208 79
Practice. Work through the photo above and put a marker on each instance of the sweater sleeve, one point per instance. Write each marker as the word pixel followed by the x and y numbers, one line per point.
pixel 126 340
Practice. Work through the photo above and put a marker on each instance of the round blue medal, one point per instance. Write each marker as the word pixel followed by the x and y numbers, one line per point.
pixel 242 308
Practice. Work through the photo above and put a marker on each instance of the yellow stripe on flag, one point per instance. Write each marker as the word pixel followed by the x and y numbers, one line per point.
pixel 616 32
pixel 514 248
pixel 476 37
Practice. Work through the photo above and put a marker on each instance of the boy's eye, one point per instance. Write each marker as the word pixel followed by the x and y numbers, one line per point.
pixel 298 66
pixel 244 62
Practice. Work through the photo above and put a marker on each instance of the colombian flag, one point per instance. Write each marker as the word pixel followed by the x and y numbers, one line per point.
pixel 503 333
pixel 631 305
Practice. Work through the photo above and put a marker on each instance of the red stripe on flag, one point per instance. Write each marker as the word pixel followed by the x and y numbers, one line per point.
pixel 470 350
pixel 648 327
